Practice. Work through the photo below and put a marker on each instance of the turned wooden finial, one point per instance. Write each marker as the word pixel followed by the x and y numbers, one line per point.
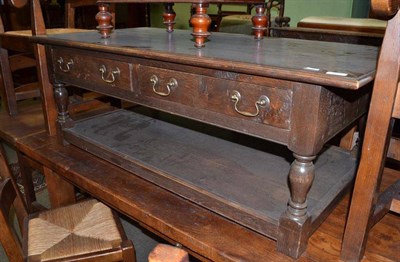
pixel 104 18
pixel 384 9
pixel 18 3
pixel 260 22
pixel 169 17
pixel 200 22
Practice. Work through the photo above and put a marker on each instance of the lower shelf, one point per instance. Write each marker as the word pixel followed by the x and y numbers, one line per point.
pixel 240 182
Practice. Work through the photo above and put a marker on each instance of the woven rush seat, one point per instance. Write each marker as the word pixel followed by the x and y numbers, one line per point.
pixel 84 231
pixel 73 230
pixel 367 25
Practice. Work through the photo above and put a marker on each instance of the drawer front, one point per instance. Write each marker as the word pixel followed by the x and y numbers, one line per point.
pixel 265 104
pixel 90 71
pixel 168 85
pixel 257 103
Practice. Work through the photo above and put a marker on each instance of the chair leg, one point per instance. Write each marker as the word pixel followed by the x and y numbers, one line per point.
pixel 356 232
pixel 363 202
pixel 20 207
pixel 27 182
pixel 61 193
pixel 7 83
pixel 128 251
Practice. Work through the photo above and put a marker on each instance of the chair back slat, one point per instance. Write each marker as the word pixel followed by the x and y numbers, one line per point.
pixel 37 20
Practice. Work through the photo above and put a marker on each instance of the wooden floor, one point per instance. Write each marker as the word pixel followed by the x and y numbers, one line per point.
pixel 383 242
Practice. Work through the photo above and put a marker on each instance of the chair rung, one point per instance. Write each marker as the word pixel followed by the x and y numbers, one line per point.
pixel 395 206
pixel 394 149
pixel 27 94
pixel 21 61
pixel 385 202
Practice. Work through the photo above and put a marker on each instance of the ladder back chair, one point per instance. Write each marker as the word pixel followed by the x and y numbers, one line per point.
pixel 368 206
pixel 39 28
pixel 22 57
pixel 17 56
pixel 87 230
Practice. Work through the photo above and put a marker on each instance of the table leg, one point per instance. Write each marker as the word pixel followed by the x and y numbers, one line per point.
pixel 63 119
pixel 294 223
pixel 61 193
pixel 200 22
pixel 169 17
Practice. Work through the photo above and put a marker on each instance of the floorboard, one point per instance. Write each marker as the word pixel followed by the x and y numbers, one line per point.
pixel 383 241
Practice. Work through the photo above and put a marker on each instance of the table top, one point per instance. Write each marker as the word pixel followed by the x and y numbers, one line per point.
pixel 184 1
pixel 324 63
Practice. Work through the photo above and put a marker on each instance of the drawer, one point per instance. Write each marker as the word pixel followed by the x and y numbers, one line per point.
pixel 266 104
pixel 90 71
pixel 168 85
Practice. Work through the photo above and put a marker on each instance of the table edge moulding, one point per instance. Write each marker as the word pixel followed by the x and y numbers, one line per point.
pixel 294 93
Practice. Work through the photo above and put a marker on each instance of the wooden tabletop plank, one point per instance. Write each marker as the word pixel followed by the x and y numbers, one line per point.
pixel 185 1
pixel 28 121
pixel 324 63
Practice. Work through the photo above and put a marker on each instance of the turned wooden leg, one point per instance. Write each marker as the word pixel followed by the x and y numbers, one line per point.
pixel 200 22
pixel 104 18
pixel 63 120
pixel 260 22
pixel 169 17
pixel 294 223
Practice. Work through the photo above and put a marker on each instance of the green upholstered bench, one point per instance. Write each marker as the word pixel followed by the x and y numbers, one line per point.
pixel 366 25
pixel 240 24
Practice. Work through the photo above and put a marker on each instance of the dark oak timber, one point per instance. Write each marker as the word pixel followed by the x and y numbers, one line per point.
pixel 297 93
pixel 197 229
pixel 209 171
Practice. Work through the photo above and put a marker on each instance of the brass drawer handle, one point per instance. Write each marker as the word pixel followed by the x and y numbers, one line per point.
pixel 111 76
pixel 172 83
pixel 68 65
pixel 263 101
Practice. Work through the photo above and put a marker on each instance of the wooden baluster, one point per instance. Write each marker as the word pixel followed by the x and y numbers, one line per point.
pixel 260 22
pixel 104 18
pixel 200 22
pixel 294 224
pixel 169 17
